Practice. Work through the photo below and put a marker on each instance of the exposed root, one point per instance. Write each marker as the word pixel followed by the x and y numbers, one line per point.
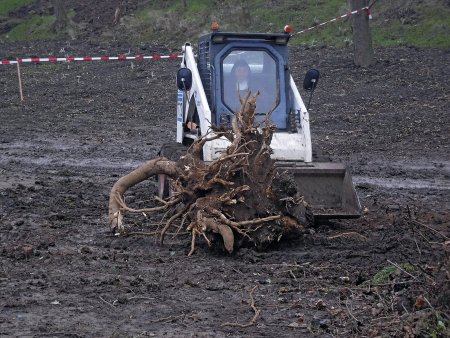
pixel 232 196
pixel 349 235
pixel 148 169
pixel 255 310
pixel 169 222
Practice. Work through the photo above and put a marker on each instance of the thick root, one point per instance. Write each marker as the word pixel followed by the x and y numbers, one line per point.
pixel 232 195
pixel 224 231
pixel 148 169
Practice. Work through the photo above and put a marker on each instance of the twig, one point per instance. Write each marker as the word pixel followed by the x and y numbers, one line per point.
pixel 400 268
pixel 430 228
pixel 390 284
pixel 106 302
pixel 171 219
pixel 292 274
pixel 194 233
pixel 260 220
pixel 346 234
pixel 350 312
pixel 414 236
pixel 255 317
pixel 429 304
pixel 139 233
pixel 160 208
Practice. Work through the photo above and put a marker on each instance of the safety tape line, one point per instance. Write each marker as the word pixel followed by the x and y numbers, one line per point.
pixel 99 58
pixel 349 13
pixel 172 56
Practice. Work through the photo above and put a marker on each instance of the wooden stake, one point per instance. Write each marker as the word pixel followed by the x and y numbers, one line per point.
pixel 20 82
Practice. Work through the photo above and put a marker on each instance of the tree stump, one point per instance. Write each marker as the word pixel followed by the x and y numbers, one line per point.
pixel 240 194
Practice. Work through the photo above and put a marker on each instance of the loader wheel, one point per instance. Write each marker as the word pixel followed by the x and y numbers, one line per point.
pixel 172 151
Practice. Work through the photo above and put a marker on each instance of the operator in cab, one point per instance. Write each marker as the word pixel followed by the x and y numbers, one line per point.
pixel 242 79
pixel 238 85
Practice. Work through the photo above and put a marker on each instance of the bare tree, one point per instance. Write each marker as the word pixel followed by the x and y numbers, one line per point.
pixel 362 37
pixel 62 20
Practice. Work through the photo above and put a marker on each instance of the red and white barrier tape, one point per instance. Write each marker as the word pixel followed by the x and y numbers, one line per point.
pixel 99 58
pixel 172 56
pixel 349 13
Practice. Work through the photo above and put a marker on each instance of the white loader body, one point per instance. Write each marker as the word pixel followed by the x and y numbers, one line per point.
pixel 204 100
pixel 286 146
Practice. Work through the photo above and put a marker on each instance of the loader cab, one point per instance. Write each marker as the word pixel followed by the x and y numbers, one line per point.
pixel 264 56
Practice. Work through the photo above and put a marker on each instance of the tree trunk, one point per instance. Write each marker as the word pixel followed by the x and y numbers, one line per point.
pixel 362 38
pixel 62 20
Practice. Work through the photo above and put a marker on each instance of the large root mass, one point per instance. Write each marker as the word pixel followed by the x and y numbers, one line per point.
pixel 240 194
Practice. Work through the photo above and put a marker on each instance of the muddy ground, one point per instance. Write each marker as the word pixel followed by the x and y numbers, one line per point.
pixel 83 125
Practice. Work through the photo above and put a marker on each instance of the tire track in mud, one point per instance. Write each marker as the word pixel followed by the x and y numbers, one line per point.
pixel 419 174
pixel 399 174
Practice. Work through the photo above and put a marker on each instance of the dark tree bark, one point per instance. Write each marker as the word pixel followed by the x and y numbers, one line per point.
pixel 362 37
pixel 62 20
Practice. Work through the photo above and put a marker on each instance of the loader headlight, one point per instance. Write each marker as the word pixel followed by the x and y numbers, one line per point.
pixel 218 38
pixel 282 40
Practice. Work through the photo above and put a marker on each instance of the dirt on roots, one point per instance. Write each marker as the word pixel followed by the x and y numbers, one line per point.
pixel 83 125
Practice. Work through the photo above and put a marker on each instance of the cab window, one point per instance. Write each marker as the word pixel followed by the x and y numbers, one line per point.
pixel 245 70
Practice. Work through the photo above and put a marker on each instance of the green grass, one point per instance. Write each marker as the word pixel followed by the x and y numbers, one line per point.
pixel 437 329
pixel 194 7
pixel 301 15
pixel 433 30
pixel 384 275
pixel 171 23
pixel 35 28
pixel 7 6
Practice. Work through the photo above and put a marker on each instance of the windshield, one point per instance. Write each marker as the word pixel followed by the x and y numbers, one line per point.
pixel 249 70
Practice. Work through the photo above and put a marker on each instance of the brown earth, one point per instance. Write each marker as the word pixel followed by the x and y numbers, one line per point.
pixel 82 125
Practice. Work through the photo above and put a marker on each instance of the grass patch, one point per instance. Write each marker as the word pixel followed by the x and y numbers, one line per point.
pixel 7 6
pixel 437 329
pixel 417 23
pixel 385 274
pixel 432 30
pixel 35 28
pixel 194 8
pixel 301 15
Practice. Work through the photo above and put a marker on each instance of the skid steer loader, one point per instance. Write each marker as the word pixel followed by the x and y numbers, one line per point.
pixel 207 96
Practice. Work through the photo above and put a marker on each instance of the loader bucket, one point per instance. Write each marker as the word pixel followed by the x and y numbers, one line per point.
pixel 327 187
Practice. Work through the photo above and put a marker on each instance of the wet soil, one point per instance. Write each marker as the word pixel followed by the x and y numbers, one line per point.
pixel 83 125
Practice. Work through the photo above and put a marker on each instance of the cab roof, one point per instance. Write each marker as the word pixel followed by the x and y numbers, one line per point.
pixel 223 37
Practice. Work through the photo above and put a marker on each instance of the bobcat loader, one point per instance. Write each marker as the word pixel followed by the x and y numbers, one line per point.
pixel 207 96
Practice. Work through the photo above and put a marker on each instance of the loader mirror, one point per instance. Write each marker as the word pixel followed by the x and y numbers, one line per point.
pixel 184 79
pixel 311 79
